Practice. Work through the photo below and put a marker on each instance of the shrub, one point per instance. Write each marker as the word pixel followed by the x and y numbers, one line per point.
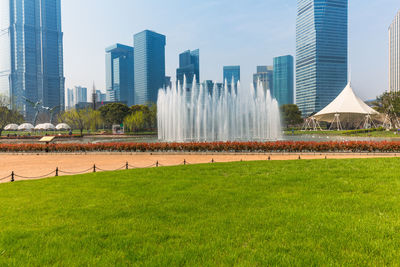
pixel 263 147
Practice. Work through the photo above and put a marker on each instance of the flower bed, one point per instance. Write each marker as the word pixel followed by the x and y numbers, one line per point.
pixel 263 147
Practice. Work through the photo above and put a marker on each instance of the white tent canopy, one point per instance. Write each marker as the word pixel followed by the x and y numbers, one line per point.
pixel 347 108
pixel 48 126
pixel 39 127
pixel 63 126
pixel 26 127
pixel 11 127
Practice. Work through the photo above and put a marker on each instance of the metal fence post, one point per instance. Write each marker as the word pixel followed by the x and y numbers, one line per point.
pixel 56 171
pixel 157 163
pixel 127 166
pixel 12 177
pixel 184 162
pixel 94 168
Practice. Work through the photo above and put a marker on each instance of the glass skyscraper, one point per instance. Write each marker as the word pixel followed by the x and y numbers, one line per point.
pixel 31 53
pixel 394 55
pixel 120 74
pixel 189 66
pixel 322 47
pixel 265 76
pixel 70 99
pixel 231 72
pixel 149 66
pixel 284 80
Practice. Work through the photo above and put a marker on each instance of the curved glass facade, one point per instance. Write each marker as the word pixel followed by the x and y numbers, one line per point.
pixel 322 52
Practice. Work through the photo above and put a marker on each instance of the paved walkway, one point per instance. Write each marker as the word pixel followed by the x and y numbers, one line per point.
pixel 38 165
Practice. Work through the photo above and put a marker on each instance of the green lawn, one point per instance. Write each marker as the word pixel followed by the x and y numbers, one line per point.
pixel 295 213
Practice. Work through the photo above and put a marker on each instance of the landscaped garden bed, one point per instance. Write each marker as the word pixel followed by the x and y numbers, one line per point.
pixel 256 147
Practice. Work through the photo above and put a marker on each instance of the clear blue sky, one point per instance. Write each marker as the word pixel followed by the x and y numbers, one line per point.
pixel 228 32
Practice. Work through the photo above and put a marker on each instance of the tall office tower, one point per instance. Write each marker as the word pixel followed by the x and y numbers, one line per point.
pixel 80 94
pixel 70 98
pixel 149 66
pixel 31 53
pixel 322 47
pixel 189 67
pixel 120 74
pixel 284 80
pixel 394 55
pixel 231 72
pixel 264 75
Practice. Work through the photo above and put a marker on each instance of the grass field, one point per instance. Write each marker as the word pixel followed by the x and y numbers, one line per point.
pixel 295 213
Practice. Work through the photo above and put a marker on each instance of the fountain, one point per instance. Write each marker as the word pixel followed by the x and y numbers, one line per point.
pixel 219 114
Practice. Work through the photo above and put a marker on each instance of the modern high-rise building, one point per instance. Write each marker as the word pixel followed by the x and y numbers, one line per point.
pixel 231 72
pixel 284 80
pixel 394 55
pixel 213 87
pixel 70 98
pixel 31 53
pixel 189 67
pixel 120 74
pixel 322 47
pixel 264 75
pixel 100 96
pixel 80 95
pixel 149 66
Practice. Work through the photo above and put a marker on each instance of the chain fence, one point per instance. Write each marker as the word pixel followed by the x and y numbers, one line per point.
pixel 57 172
pixel 95 169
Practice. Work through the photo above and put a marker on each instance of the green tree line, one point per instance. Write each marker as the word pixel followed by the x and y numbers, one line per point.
pixel 135 119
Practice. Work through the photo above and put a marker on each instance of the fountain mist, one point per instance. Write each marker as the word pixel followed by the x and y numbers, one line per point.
pixel 219 115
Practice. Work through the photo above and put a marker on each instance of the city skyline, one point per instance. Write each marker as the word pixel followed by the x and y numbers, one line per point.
pixel 235 40
pixel 31 50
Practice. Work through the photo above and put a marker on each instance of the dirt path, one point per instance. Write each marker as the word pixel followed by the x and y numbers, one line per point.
pixel 35 165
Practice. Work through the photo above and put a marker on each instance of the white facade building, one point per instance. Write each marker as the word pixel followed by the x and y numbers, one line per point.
pixel 394 55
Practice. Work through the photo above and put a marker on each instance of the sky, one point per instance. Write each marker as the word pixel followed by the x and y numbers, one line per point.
pixel 227 32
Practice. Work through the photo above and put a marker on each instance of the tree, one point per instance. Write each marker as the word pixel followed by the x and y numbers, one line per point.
pixel 114 113
pixel 8 116
pixel 291 115
pixel 153 116
pixel 77 119
pixel 388 103
pixel 94 120
pixel 149 115
pixel 135 121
